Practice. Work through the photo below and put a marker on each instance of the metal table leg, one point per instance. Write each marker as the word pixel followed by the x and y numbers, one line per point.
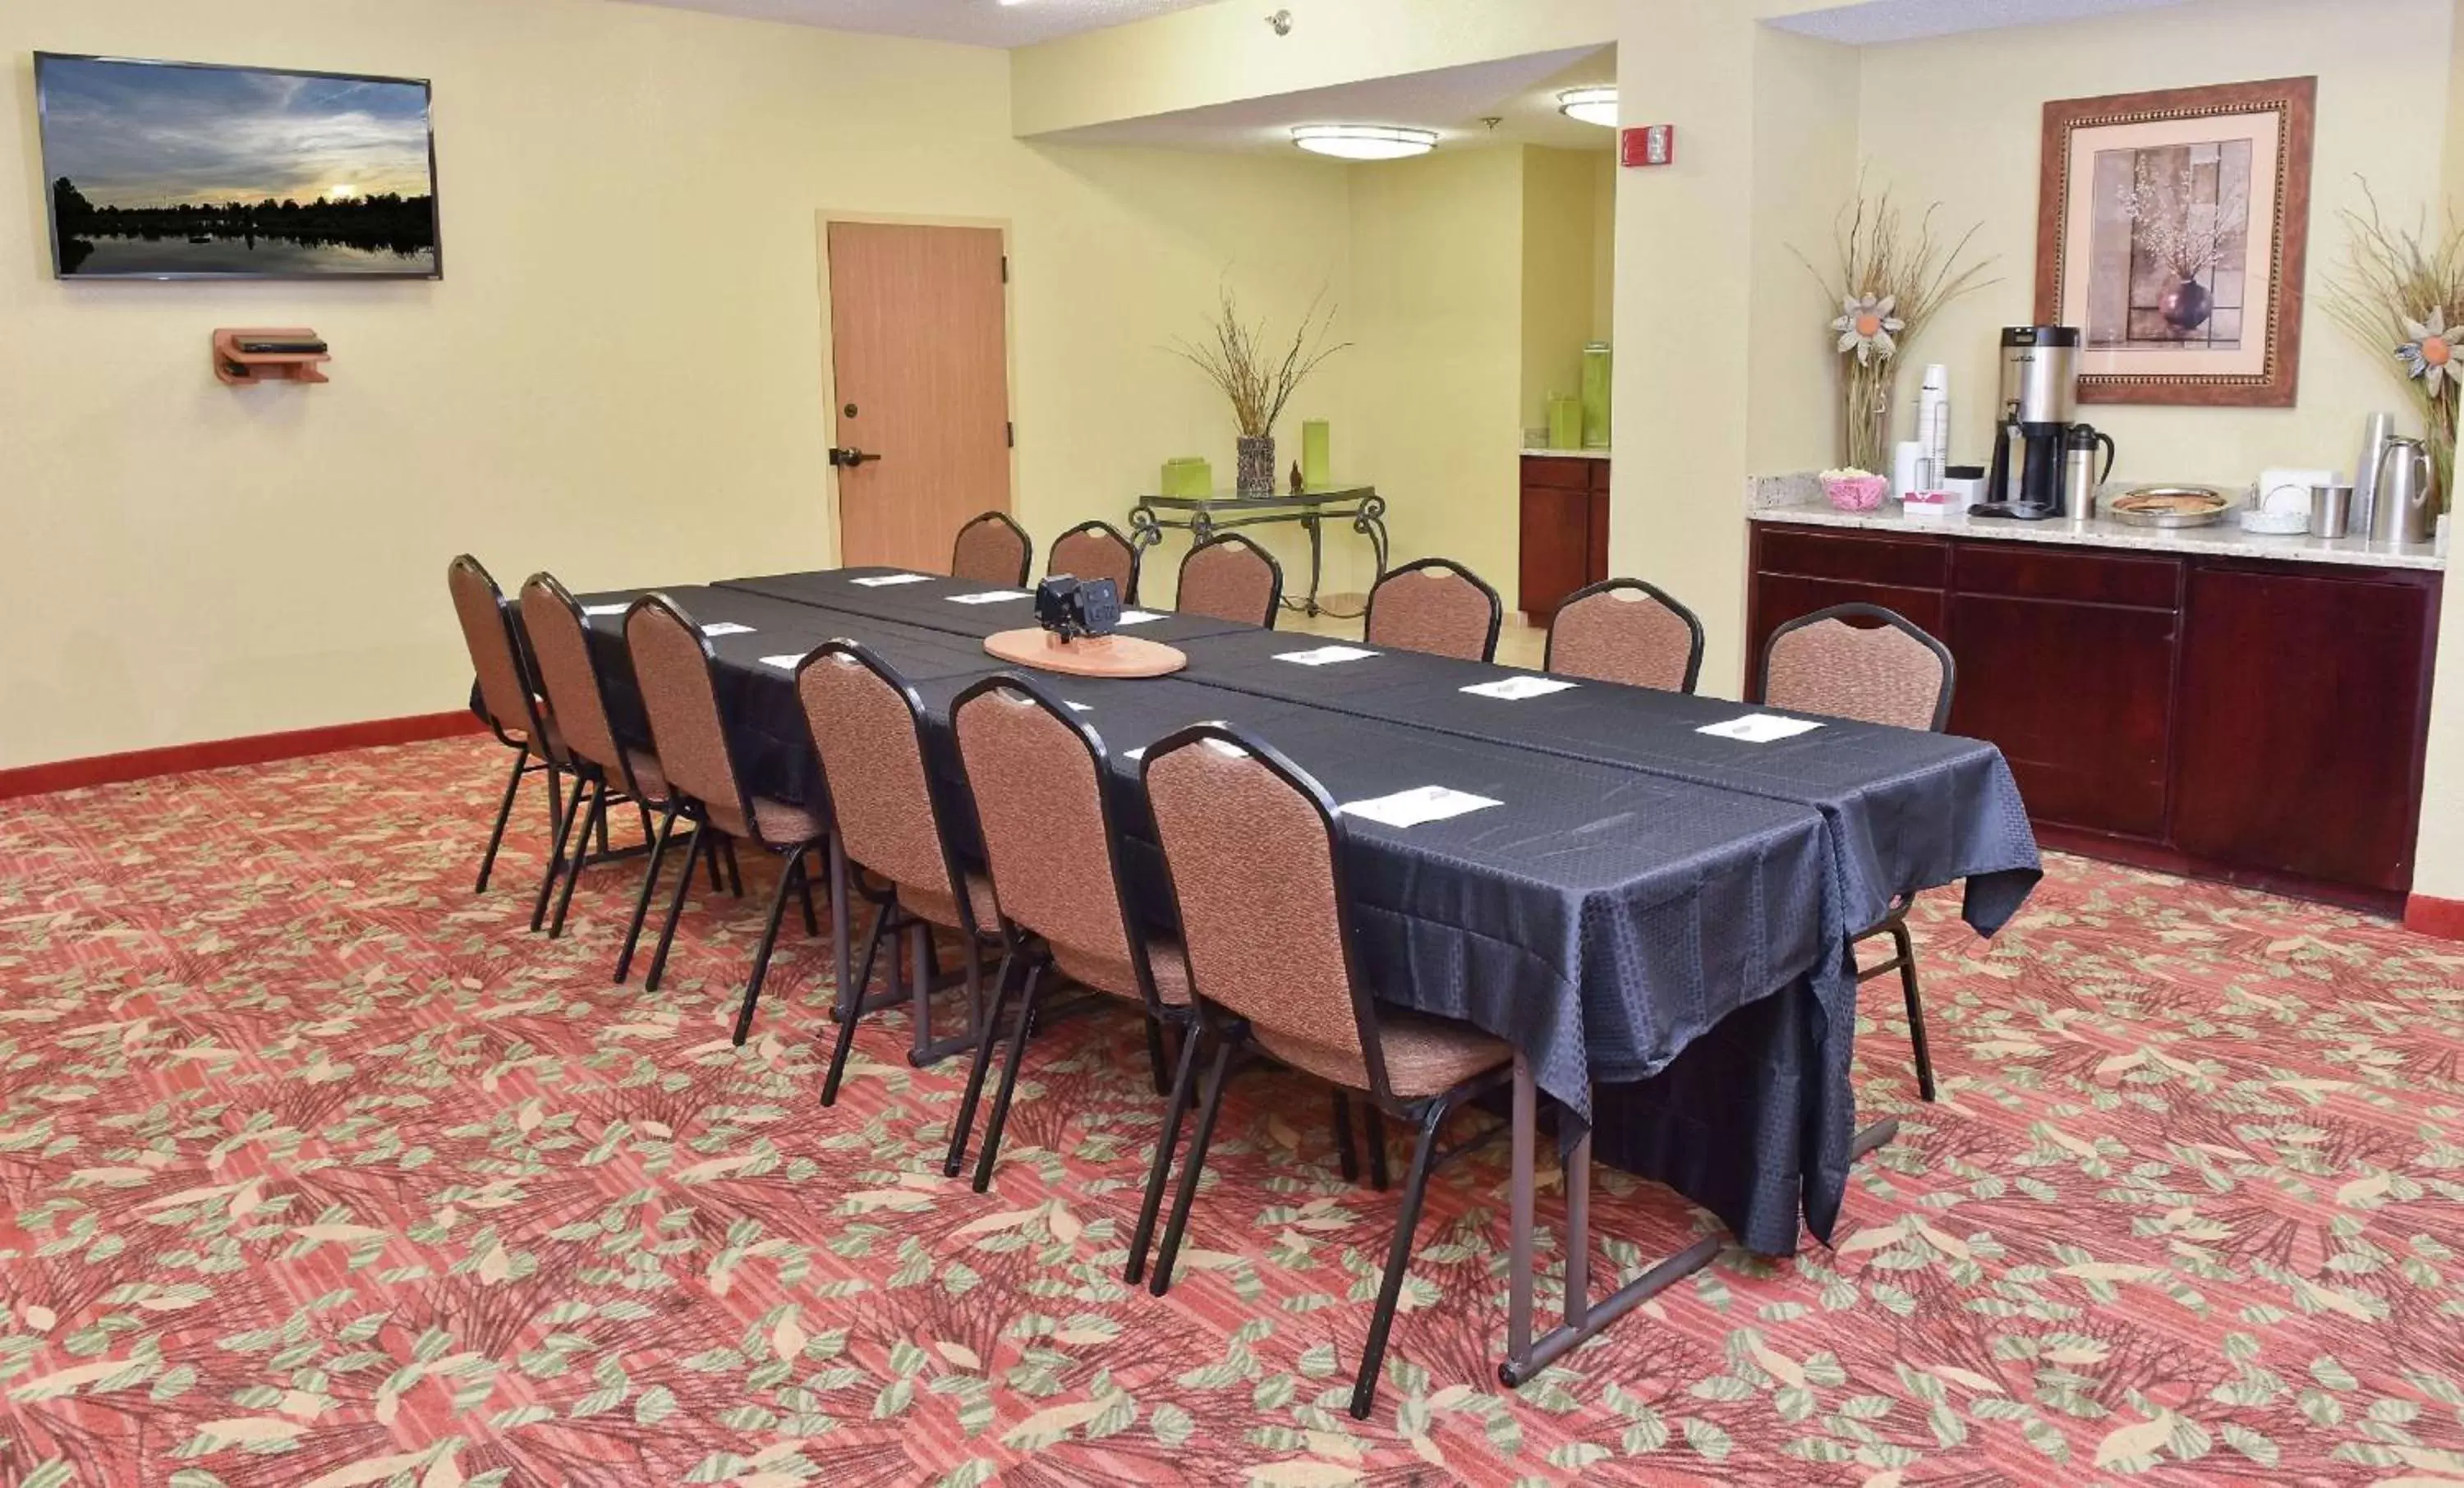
pixel 1316 545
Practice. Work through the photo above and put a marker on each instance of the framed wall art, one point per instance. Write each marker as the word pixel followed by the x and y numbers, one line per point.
pixel 2171 229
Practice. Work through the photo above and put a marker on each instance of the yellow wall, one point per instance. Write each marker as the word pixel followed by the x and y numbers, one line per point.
pixel 1604 183
pixel 1958 120
pixel 621 376
pixel 1559 196
pixel 1438 277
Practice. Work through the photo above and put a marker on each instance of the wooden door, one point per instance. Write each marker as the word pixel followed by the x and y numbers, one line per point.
pixel 1555 533
pixel 920 372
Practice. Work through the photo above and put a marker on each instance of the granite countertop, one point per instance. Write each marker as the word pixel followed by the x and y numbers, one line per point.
pixel 1768 500
pixel 1567 454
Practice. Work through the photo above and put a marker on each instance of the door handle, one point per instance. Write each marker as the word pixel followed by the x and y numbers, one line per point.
pixel 850 458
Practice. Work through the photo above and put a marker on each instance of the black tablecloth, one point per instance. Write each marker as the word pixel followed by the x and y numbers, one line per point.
pixel 932 601
pixel 1653 915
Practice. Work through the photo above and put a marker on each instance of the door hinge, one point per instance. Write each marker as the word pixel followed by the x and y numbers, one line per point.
pixel 1009 435
pixel 1005 267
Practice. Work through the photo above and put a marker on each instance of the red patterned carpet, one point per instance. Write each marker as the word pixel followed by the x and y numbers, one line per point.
pixel 319 1170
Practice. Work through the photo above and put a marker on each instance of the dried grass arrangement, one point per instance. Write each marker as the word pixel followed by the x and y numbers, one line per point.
pixel 1891 278
pixel 1259 379
pixel 2401 294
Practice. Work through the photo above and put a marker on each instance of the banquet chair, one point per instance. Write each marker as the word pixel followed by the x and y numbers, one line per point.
pixel 1230 577
pixel 1891 673
pixel 512 712
pixel 1097 549
pixel 1255 854
pixel 1435 605
pixel 672 666
pixel 1037 776
pixel 991 549
pixel 867 728
pixel 1625 631
pixel 559 647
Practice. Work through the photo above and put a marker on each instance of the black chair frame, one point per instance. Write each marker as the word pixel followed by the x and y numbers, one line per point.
pixel 792 873
pixel 1225 1035
pixel 1274 594
pixel 1025 544
pixel 891 917
pixel 1128 596
pixel 1894 923
pixel 530 755
pixel 1496 607
pixel 1693 621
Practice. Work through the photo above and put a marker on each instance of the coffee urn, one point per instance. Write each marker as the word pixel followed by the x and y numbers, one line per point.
pixel 2039 391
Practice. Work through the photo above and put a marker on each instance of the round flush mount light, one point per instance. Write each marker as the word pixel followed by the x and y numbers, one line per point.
pixel 1591 106
pixel 1365 141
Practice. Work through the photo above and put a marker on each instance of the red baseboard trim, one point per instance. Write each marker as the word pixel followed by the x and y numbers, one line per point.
pixel 256 748
pixel 2441 917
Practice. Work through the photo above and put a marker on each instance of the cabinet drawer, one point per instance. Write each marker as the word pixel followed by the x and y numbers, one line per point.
pixel 1903 562
pixel 1558 474
pixel 2027 572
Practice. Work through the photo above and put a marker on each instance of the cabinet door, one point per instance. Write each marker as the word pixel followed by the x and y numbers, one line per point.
pixel 2077 696
pixel 1556 531
pixel 1599 567
pixel 2303 710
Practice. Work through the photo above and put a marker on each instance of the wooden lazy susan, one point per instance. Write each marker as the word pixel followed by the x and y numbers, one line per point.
pixel 1092 656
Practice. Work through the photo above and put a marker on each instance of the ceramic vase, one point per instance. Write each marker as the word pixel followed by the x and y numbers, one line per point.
pixel 2185 306
pixel 1255 472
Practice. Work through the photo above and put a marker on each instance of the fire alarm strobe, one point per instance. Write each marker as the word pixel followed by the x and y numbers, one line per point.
pixel 1648 145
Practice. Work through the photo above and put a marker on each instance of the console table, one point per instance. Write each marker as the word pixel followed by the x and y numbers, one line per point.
pixel 1203 517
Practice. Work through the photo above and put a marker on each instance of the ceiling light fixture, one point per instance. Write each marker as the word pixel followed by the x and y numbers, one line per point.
pixel 1591 106
pixel 1365 141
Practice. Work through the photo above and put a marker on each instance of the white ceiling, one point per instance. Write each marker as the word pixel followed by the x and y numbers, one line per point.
pixel 1520 91
pixel 984 23
pixel 1869 22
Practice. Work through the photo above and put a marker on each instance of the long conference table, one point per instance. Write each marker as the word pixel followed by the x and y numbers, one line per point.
pixel 1657 919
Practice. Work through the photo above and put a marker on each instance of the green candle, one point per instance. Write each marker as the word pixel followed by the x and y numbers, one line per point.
pixel 1317 460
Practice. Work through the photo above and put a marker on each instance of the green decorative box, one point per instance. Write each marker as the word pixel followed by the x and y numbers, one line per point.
pixel 1188 475
pixel 1317 455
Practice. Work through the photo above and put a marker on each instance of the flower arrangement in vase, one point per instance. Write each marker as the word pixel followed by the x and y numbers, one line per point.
pixel 1259 379
pixel 1890 279
pixel 2402 293
pixel 2185 238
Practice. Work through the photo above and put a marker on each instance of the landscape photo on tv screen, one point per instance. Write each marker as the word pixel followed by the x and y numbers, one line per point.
pixel 181 171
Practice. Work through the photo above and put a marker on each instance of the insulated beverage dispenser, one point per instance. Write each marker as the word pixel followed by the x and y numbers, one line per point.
pixel 2039 389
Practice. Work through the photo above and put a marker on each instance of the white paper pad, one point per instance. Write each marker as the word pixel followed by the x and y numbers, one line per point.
pixel 1514 690
pixel 880 580
pixel 1139 752
pixel 605 609
pixel 1324 656
pixel 1078 707
pixel 727 627
pixel 783 663
pixel 1759 728
pixel 989 596
pixel 1421 803
pixel 1138 617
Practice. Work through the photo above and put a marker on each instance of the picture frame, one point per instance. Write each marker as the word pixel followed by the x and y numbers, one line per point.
pixel 2172 228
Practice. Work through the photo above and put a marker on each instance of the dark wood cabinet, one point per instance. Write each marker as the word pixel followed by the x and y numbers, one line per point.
pixel 1564 531
pixel 2255 720
pixel 2298 743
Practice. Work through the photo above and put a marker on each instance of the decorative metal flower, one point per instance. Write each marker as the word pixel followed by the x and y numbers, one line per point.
pixel 2430 354
pixel 1866 325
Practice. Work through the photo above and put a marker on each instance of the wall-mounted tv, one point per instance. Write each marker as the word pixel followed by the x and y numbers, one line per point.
pixel 181 171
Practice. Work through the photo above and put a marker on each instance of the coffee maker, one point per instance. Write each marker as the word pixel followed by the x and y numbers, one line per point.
pixel 2039 389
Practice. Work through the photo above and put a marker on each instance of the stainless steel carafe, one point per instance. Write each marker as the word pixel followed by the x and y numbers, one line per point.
pixel 2081 474
pixel 2405 506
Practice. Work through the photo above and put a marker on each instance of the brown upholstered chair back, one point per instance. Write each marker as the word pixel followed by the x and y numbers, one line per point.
pixel 1436 606
pixel 488 632
pixel 864 727
pixel 672 667
pixel 1251 855
pixel 1039 798
pixel 560 651
pixel 1096 550
pixel 1892 674
pixel 1625 631
pixel 1230 577
pixel 991 550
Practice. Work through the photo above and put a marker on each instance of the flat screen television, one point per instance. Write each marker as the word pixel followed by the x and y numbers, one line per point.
pixel 182 170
